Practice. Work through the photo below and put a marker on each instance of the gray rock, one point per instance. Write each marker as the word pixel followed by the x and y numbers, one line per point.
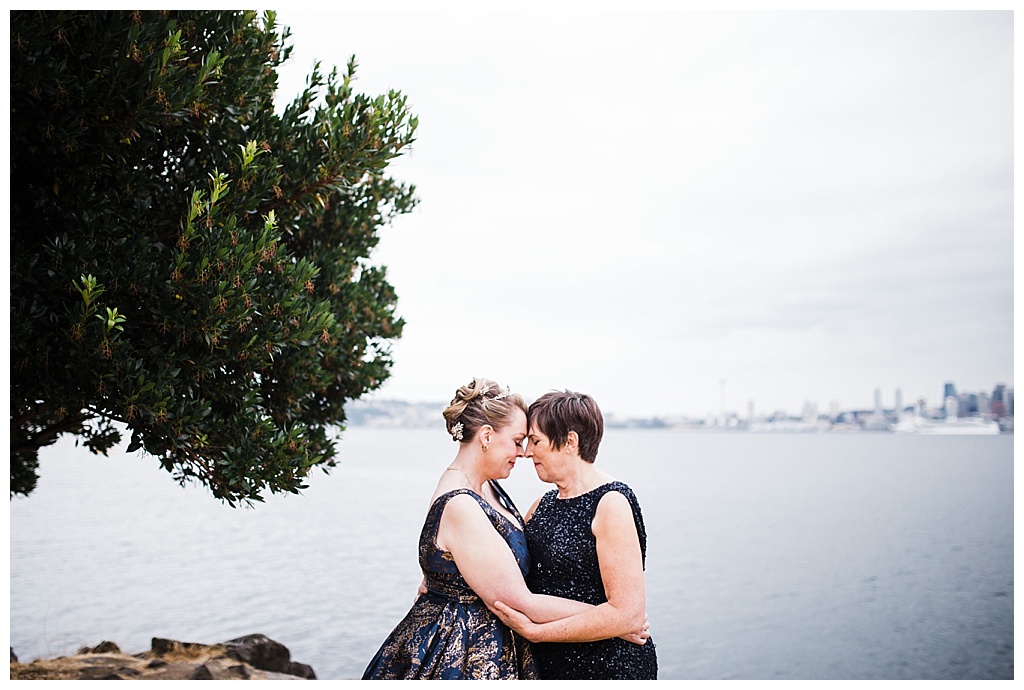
pixel 301 670
pixel 259 651
pixel 253 657
pixel 181 671
pixel 227 668
pixel 160 646
pixel 105 647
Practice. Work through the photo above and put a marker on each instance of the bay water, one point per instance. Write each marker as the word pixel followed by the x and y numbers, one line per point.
pixel 770 556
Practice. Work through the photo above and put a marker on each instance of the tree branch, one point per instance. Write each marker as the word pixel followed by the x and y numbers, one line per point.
pixel 47 436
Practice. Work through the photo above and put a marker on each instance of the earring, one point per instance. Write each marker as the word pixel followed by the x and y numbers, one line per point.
pixel 485 449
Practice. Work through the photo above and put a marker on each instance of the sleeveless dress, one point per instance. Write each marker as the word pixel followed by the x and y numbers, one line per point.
pixel 564 554
pixel 449 633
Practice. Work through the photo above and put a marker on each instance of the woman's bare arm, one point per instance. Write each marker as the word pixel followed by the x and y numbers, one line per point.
pixel 488 565
pixel 621 563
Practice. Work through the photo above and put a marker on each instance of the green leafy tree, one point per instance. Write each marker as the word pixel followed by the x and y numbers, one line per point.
pixel 190 265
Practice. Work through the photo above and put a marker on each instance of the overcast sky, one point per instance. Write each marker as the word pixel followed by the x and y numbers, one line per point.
pixel 672 210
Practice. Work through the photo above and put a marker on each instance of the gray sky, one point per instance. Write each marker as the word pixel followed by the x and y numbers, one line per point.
pixel 668 209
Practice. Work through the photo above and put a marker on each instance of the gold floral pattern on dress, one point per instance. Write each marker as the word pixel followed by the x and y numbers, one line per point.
pixel 449 633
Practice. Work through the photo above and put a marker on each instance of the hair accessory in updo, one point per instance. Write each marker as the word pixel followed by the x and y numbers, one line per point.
pixel 481 402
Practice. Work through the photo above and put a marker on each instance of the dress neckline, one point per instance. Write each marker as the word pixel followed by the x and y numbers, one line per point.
pixel 585 493
pixel 518 523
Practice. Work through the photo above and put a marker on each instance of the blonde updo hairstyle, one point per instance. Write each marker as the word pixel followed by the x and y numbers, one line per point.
pixel 480 402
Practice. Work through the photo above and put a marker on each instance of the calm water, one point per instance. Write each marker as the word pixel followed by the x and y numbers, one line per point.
pixel 769 557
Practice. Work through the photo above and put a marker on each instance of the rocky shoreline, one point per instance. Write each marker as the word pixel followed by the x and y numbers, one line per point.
pixel 252 657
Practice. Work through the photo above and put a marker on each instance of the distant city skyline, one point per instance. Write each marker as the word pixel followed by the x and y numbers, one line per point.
pixel 898 402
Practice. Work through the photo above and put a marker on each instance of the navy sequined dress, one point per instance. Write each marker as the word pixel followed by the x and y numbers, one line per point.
pixel 449 633
pixel 564 554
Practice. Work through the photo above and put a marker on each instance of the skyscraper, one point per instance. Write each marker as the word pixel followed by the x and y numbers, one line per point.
pixel 998 404
pixel 949 391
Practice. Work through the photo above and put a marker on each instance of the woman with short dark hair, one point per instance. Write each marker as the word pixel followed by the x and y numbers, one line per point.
pixel 587 542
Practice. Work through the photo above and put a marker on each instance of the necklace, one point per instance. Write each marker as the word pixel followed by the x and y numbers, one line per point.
pixel 459 469
pixel 501 499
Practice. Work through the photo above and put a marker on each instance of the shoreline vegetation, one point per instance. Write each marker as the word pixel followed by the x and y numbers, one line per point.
pixel 252 657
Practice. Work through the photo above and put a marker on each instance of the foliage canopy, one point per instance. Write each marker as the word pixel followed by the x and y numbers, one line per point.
pixel 187 263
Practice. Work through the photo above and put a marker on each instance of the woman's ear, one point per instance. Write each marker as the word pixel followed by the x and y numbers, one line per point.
pixel 572 441
pixel 485 433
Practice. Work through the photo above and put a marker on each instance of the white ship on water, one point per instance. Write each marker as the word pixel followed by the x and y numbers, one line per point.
pixel 951 425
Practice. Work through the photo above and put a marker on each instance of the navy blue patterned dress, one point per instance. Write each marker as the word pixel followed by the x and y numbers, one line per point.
pixel 564 554
pixel 450 633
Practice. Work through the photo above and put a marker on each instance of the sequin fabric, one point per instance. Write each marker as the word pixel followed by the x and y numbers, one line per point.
pixel 563 550
pixel 449 633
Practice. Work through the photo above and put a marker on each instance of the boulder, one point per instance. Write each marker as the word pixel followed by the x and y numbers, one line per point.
pixel 104 647
pixel 260 651
pixel 161 647
pixel 301 670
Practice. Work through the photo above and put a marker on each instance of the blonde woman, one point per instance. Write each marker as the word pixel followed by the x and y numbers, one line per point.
pixel 472 551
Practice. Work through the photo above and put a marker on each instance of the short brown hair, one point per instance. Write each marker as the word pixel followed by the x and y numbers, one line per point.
pixel 557 413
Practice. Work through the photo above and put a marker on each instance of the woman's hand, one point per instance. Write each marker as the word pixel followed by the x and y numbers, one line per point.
pixel 517 620
pixel 640 637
